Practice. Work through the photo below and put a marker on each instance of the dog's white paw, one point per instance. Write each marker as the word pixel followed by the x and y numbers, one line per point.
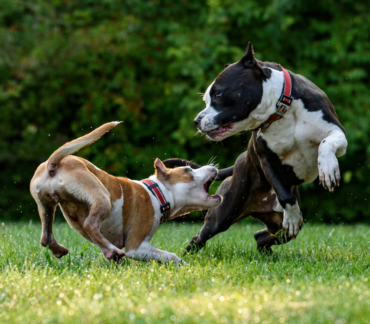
pixel 177 261
pixel 329 173
pixel 181 263
pixel 292 220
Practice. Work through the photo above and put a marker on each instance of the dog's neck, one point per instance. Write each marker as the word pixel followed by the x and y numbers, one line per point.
pixel 176 208
pixel 272 89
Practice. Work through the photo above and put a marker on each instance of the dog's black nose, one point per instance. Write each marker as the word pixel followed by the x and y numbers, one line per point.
pixel 197 121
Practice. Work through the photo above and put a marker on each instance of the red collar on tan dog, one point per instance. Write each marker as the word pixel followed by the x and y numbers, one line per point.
pixel 157 192
pixel 282 105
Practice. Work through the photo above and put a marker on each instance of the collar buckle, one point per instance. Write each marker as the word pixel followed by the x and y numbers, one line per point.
pixel 165 211
pixel 279 114
pixel 284 100
pixel 165 207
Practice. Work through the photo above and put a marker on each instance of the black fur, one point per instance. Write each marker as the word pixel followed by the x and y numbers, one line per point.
pixel 248 191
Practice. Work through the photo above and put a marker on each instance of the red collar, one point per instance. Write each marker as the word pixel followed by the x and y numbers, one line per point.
pixel 157 192
pixel 282 105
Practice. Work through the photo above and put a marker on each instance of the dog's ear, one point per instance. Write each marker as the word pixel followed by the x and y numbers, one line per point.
pixel 265 71
pixel 160 169
pixel 226 65
pixel 248 59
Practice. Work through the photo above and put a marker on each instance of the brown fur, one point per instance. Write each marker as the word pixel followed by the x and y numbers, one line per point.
pixel 109 211
pixel 139 205
pixel 82 215
pixel 86 196
pixel 172 175
pixel 73 146
pixel 179 175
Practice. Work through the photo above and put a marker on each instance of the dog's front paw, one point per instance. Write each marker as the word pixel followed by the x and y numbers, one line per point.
pixel 329 173
pixel 292 220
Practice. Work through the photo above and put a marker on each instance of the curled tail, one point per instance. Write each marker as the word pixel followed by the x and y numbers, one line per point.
pixel 222 174
pixel 75 145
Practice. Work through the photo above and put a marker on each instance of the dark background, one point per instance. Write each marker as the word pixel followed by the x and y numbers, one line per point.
pixel 67 67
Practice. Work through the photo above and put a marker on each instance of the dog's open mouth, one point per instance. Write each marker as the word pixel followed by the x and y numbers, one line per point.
pixel 219 130
pixel 207 185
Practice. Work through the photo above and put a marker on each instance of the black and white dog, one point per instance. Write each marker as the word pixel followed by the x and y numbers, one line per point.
pixel 296 136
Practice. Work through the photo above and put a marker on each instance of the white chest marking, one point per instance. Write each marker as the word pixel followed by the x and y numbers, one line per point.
pixel 296 139
pixel 112 227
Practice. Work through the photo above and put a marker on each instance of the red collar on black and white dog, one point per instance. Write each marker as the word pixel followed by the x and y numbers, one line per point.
pixel 282 105
pixel 164 204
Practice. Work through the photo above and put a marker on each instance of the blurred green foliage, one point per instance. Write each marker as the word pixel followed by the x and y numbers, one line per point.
pixel 69 66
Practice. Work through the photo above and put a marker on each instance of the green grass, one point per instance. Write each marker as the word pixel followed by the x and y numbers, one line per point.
pixel 322 277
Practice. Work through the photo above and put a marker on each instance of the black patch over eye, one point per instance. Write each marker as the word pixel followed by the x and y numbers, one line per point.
pixel 218 95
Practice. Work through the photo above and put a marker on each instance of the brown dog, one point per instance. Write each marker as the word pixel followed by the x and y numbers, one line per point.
pixel 115 212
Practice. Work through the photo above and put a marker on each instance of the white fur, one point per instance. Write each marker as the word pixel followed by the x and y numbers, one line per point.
pixel 112 227
pixel 209 113
pixel 332 146
pixel 207 96
pixel 182 197
pixel 146 251
pixel 191 196
pixel 271 92
pixel 300 139
pixel 296 137
pixel 207 122
pixel 292 219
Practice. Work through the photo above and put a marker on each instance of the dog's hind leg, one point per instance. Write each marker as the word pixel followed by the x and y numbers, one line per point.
pixel 217 220
pixel 47 212
pixel 46 204
pixel 235 191
pixel 87 188
pixel 99 211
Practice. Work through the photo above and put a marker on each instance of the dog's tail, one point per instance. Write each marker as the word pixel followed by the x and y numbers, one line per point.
pixel 77 144
pixel 222 174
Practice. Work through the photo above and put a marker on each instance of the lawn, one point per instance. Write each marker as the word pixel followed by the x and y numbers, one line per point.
pixel 322 277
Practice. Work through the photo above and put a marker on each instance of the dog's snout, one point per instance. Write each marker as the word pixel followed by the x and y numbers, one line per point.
pixel 197 121
pixel 212 169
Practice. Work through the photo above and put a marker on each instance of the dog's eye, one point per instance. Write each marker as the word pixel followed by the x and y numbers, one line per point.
pixel 218 95
pixel 188 170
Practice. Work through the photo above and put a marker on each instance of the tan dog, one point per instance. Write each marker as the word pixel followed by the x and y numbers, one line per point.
pixel 115 212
